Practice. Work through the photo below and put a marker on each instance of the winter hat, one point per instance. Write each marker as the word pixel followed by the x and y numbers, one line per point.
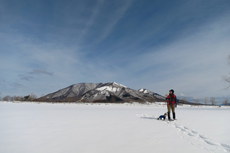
pixel 171 90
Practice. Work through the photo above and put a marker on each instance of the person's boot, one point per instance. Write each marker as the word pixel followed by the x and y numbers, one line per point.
pixel 169 118
pixel 174 115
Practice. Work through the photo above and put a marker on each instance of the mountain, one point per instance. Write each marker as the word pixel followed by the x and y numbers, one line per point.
pixel 101 92
pixel 73 92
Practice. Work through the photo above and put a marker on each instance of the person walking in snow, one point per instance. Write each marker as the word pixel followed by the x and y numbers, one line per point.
pixel 171 104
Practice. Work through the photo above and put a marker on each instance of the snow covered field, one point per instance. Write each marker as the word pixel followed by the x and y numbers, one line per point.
pixel 111 128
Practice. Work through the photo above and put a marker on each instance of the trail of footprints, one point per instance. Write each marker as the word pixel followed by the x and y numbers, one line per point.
pixel 194 134
pixel 210 145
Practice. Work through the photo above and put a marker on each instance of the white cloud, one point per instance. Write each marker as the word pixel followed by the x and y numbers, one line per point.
pixel 193 65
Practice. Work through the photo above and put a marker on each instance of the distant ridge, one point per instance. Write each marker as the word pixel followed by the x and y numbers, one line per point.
pixel 101 92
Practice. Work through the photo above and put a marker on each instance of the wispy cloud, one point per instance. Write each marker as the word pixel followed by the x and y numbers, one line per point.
pixel 30 76
pixel 156 45
pixel 26 77
pixel 91 20
pixel 193 65
pixel 38 72
pixel 114 18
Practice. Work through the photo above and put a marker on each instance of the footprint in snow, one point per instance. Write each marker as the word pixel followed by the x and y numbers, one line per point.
pixel 194 134
pixel 226 147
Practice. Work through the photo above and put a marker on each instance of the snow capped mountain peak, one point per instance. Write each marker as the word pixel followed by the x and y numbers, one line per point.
pixel 144 90
pixel 114 83
pixel 108 88
pixel 111 87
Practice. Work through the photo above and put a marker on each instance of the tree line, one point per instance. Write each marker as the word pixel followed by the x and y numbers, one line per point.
pixel 30 97
pixel 210 101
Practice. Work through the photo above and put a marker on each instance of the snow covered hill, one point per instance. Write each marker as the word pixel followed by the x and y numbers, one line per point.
pixel 102 92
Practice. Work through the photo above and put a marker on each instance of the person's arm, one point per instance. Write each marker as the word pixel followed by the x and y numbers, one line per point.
pixel 175 101
pixel 167 98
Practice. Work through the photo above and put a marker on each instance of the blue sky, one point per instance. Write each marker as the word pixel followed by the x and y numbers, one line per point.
pixel 46 45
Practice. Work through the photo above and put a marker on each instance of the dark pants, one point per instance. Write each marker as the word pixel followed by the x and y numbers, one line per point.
pixel 171 107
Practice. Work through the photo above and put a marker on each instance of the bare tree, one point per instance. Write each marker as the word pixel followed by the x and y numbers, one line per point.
pixel 7 98
pixel 17 98
pixel 226 102
pixel 30 97
pixel 206 99
pixel 213 100
pixel 197 100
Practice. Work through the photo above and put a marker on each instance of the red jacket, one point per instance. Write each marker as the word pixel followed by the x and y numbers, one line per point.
pixel 171 99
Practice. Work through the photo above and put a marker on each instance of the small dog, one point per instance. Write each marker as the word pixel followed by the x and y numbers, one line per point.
pixel 162 117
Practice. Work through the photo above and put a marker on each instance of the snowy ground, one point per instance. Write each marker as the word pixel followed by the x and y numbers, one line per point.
pixel 111 128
